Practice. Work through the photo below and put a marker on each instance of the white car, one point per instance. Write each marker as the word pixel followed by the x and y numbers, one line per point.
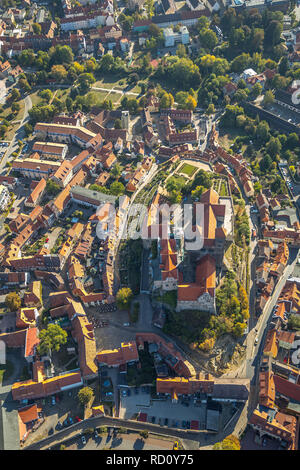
pixel 256 340
pixel 83 440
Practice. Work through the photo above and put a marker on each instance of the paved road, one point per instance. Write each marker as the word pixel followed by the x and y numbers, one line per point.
pixel 293 193
pixel 130 441
pixel 78 428
pixel 130 212
pixel 9 427
pixel 19 135
pixel 114 90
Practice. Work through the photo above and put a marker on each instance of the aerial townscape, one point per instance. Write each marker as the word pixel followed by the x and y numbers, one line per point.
pixel 149 225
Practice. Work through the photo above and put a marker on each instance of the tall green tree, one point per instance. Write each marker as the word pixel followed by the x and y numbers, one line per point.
pixel 51 338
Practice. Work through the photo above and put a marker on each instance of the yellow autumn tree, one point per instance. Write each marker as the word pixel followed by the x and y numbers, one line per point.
pixel 207 344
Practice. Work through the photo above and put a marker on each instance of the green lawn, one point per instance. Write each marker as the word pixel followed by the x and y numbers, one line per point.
pixel 223 189
pixel 110 81
pixel 182 180
pixel 35 98
pixel 187 169
pixel 100 96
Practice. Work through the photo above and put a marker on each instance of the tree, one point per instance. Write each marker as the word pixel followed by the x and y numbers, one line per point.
pixel 124 297
pixel 273 147
pixel 166 100
pixel 256 90
pixel 197 192
pixel 210 109
pixel 51 338
pixel 61 55
pixel 28 129
pixel 52 188
pixel 13 301
pixel 15 94
pixel 283 66
pixel 15 107
pixel 262 132
pixel 116 171
pixel 85 395
pixel 37 29
pixel 90 65
pixel 203 23
pixel 118 124
pixel 268 98
pixel 230 442
pixel 27 57
pixel 238 329
pixel 46 95
pixel 208 39
pixel 240 62
pixel 59 72
pixel 154 30
pixel 292 141
pixel 278 186
pixel 181 71
pixel 24 85
pixel 229 117
pixel 185 100
pixel 241 95
pixel 181 50
pixel 273 33
pixel 117 188
pixel 149 5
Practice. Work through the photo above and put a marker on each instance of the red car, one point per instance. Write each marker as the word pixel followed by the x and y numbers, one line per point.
pixel 78 419
pixel 47 239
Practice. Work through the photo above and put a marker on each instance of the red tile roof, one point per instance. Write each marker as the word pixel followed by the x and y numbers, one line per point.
pixel 31 342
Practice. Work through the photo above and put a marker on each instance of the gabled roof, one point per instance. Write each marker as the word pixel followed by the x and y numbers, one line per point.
pixel 205 281
pixel 126 353
pixel 31 342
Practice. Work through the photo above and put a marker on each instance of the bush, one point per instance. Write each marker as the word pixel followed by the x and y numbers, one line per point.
pixel 102 430
pixel 122 430
pixel 85 395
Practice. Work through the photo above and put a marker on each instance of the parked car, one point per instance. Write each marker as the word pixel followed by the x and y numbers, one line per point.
pixel 59 425
pixel 83 440
pixel 51 431
pixel 96 435
pixel 52 400
pixel 256 340
pixel 153 419
pixel 128 392
pixel 78 419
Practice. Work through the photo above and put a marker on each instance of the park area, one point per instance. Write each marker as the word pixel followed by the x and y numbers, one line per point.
pixel 187 169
